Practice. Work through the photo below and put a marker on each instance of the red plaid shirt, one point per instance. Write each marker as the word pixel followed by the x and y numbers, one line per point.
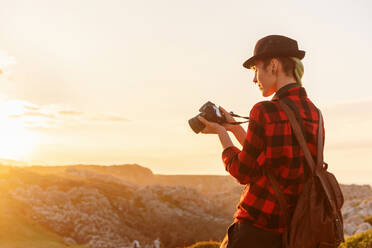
pixel 270 142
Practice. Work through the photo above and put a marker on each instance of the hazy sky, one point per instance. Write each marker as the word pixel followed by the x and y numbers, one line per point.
pixel 113 82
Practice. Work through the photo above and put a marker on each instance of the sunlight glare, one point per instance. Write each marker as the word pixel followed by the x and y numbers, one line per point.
pixel 16 141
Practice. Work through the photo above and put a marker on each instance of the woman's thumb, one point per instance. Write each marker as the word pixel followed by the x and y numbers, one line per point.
pixel 202 119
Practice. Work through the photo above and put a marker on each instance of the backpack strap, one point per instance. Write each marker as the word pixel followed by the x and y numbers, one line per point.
pixel 310 161
pixel 315 169
pixel 300 136
pixel 320 161
pixel 298 117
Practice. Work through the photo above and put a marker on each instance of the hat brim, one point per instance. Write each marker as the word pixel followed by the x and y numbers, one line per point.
pixel 251 61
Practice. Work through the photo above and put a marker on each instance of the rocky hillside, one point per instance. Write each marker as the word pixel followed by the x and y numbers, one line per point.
pixel 100 210
pixel 121 206
pixel 140 175
pixel 357 209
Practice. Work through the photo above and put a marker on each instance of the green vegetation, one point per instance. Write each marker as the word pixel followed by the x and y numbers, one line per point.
pixel 360 240
pixel 18 231
pixel 42 206
pixel 206 244
pixel 80 206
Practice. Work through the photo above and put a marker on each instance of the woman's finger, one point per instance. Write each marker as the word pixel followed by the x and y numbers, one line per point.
pixel 222 109
pixel 227 114
pixel 204 121
pixel 207 124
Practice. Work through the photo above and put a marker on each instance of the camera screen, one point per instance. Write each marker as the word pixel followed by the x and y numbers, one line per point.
pixel 217 111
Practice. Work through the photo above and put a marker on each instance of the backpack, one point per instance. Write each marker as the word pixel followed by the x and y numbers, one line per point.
pixel 316 221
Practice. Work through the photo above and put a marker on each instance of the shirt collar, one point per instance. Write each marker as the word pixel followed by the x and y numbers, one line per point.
pixel 292 89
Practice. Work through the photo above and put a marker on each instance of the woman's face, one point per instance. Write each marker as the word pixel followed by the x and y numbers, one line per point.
pixel 264 78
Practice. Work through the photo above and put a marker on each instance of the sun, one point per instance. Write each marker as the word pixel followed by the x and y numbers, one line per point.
pixel 16 142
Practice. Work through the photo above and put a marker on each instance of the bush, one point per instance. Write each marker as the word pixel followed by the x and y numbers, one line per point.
pixel 360 240
pixel 368 219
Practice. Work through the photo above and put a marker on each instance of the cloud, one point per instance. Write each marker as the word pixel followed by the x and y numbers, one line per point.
pixel 109 117
pixel 69 112
pixel 39 114
pixel 33 108
pixel 54 115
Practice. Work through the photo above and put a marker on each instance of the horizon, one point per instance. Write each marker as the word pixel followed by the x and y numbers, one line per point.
pixel 117 82
pixel 153 172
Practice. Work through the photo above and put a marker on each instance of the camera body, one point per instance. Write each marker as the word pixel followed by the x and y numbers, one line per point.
pixel 211 113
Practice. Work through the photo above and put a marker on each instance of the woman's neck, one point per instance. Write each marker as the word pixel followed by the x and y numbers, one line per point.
pixel 283 81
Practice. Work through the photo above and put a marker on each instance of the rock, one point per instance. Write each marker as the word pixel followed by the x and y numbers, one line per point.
pixel 157 243
pixel 356 191
pixel 349 228
pixel 363 212
pixel 69 241
pixel 346 213
pixel 136 244
pixel 363 227
pixel 355 219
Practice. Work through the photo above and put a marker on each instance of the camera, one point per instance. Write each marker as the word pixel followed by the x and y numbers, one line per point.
pixel 211 113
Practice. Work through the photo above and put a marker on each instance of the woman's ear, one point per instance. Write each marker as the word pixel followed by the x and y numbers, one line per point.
pixel 274 65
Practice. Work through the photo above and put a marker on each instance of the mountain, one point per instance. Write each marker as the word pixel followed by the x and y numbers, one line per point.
pixel 140 175
pixel 12 162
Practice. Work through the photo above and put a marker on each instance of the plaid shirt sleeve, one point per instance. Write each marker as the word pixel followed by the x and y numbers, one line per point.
pixel 244 164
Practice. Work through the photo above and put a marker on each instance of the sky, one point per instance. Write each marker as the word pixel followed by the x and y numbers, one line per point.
pixel 115 82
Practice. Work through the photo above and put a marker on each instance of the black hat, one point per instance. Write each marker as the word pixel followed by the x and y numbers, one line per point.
pixel 274 46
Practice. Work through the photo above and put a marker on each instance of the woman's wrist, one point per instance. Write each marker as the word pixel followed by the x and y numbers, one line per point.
pixel 224 138
pixel 240 134
pixel 235 129
pixel 221 130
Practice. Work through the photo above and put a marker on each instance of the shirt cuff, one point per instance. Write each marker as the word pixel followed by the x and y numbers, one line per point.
pixel 228 153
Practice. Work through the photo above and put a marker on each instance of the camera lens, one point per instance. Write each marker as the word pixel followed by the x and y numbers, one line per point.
pixel 196 125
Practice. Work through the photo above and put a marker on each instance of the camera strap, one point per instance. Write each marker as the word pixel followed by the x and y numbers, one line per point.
pixel 238 122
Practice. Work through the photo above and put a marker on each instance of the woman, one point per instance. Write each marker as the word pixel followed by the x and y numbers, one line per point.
pixel 269 142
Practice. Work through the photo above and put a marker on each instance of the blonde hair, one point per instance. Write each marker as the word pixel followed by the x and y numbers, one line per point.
pixel 292 66
pixel 298 70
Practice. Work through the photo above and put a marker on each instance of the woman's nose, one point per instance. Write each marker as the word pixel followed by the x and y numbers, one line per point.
pixel 255 78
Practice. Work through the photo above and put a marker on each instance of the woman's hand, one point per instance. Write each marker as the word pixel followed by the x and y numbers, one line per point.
pixel 229 118
pixel 211 127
